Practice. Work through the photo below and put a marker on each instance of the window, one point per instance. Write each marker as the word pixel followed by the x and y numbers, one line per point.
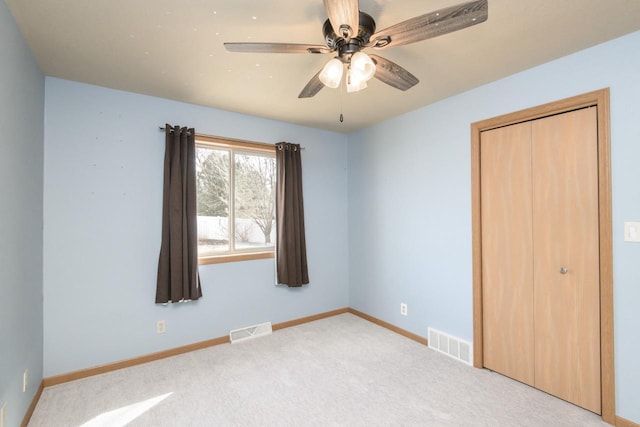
pixel 235 184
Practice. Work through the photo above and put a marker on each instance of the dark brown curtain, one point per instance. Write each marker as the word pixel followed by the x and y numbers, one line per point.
pixel 178 278
pixel 291 252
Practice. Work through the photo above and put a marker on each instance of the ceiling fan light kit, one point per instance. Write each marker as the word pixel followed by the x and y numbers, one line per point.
pixel 348 31
pixel 355 84
pixel 361 69
pixel 332 72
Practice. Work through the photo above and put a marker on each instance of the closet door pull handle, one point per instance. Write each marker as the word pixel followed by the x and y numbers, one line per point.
pixel 563 270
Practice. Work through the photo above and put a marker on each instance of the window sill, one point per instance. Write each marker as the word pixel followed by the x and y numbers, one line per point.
pixel 235 257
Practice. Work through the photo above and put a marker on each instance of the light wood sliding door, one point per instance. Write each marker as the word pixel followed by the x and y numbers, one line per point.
pixel 507 251
pixel 566 252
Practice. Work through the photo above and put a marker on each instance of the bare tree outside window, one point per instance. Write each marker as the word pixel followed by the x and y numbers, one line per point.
pixel 255 192
pixel 236 200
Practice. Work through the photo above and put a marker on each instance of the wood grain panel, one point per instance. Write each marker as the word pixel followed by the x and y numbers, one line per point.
pixel 476 249
pixel 623 422
pixel 32 406
pixel 600 100
pixel 507 251
pixel 415 337
pixel 607 365
pixel 566 234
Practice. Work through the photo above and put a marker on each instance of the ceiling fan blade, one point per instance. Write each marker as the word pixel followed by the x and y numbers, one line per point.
pixel 275 48
pixel 392 74
pixel 344 16
pixel 432 24
pixel 314 86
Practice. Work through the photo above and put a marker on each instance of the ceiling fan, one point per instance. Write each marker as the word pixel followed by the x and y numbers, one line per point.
pixel 348 31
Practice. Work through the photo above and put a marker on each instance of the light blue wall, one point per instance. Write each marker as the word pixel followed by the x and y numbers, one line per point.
pixel 410 201
pixel 405 217
pixel 21 130
pixel 102 224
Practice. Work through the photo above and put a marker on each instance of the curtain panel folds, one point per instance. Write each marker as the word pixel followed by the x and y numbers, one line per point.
pixel 291 252
pixel 178 278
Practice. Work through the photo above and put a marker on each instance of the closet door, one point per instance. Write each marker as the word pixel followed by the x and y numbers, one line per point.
pixel 507 251
pixel 566 257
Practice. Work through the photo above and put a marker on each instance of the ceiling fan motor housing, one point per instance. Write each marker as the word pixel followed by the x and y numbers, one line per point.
pixel 346 48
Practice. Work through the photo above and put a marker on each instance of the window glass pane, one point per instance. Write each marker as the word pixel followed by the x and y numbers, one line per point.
pixel 212 181
pixel 255 180
pixel 236 198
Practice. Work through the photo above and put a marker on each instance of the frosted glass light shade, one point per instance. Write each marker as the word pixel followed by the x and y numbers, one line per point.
pixel 355 82
pixel 363 66
pixel 332 73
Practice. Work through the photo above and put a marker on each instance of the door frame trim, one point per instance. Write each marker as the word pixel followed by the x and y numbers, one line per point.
pixel 599 99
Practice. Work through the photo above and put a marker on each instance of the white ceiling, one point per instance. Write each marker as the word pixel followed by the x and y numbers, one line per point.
pixel 173 49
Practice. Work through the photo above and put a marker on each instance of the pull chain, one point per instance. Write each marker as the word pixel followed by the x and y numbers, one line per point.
pixel 341 93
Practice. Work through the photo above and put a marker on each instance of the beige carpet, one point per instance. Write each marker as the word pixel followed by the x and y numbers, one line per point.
pixel 340 371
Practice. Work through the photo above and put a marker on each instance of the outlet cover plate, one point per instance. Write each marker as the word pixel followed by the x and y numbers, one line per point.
pixel 632 231
pixel 161 327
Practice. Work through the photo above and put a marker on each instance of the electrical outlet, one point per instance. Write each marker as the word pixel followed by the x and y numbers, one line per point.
pixel 161 327
pixel 25 380
pixel 3 415
pixel 403 309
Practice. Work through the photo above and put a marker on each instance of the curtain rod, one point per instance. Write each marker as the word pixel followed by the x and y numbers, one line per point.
pixel 162 129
